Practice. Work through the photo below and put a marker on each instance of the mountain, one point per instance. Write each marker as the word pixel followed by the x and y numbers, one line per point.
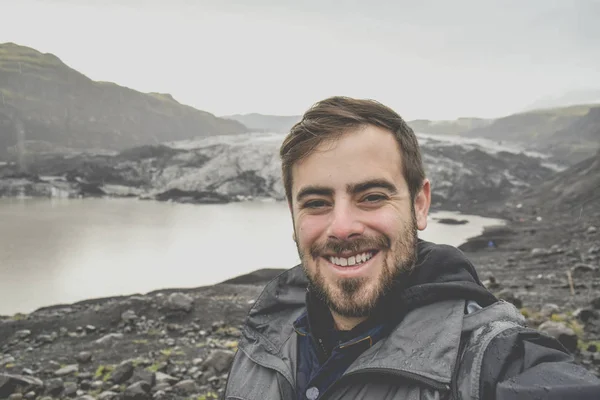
pixel 571 134
pixel 571 98
pixel 575 189
pixel 44 101
pixel 266 123
pixel 452 127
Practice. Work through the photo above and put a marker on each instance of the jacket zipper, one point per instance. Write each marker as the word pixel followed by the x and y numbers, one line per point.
pixel 403 374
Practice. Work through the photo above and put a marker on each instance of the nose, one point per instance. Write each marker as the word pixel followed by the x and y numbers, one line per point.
pixel 345 223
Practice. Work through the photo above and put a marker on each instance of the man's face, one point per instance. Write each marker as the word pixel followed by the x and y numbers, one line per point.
pixel 354 222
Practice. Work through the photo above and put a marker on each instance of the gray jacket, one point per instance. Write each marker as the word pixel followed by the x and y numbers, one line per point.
pixel 436 352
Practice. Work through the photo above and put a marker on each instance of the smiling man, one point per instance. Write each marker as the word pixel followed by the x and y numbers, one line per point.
pixel 373 312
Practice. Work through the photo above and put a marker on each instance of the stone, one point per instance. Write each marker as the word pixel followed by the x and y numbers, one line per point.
pixel 90 329
pixel 86 397
pixel 106 339
pixel 159 395
pixel 27 371
pixel 161 386
pixel 591 230
pixel 137 391
pixel 558 330
pixel 581 269
pixel 186 387
pixel 549 309
pixel 108 395
pixel 594 250
pixel 22 334
pixel 70 389
pixel 8 359
pixel 596 303
pixel 10 384
pixel 68 370
pixel 537 252
pixel 179 302
pixel 219 360
pixel 143 375
pixel 15 396
pixel 122 372
pixel 162 378
pixel 84 357
pixel 585 314
pixel 197 361
pixel 54 387
pixel 129 316
pixel 30 395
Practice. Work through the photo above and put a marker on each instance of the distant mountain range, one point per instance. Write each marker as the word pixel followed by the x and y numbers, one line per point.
pixel 47 107
pixel 571 134
pixel 48 104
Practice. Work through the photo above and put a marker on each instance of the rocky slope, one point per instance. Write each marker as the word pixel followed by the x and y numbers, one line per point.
pixel 219 169
pixel 47 106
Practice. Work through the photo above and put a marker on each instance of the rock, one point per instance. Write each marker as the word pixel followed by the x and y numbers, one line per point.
pixel 141 375
pixel 186 387
pixel 30 395
pixel 22 334
pixel 27 371
pixel 509 295
pixel 549 309
pixel 584 314
pixel 591 230
pixel 97 385
pixel 219 360
pixel 8 359
pixel 90 329
pixel 594 250
pixel 15 396
pixel 12 383
pixel 537 252
pixel 70 389
pixel 558 330
pixel 596 303
pixel 129 316
pixel 122 373
pixel 179 302
pixel 86 397
pixel 161 386
pixel 54 387
pixel 159 395
pixel 68 370
pixel 162 378
pixel 109 338
pixel 108 395
pixel 197 361
pixel 137 391
pixel 84 357
pixel 491 282
pixel 581 269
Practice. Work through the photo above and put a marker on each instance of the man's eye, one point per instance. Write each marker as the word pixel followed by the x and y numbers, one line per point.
pixel 315 204
pixel 373 198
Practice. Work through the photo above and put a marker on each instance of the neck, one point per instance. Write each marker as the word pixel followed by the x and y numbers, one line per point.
pixel 346 323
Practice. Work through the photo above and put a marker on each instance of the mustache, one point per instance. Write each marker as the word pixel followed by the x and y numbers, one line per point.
pixel 357 245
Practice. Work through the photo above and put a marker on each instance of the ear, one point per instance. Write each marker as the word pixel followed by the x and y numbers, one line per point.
pixel 422 203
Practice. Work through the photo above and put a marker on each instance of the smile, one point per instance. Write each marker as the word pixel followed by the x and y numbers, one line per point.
pixel 354 260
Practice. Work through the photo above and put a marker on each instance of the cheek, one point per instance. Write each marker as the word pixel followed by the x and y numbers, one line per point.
pixel 309 229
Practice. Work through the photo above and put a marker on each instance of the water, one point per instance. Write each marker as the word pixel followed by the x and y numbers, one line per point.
pixel 55 251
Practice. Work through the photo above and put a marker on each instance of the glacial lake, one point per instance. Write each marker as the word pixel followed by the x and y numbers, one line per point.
pixel 57 251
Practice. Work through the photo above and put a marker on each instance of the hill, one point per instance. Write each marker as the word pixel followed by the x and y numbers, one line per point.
pixel 46 102
pixel 266 123
pixel 452 127
pixel 571 134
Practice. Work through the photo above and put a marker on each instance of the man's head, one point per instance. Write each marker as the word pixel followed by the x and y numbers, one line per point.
pixel 357 192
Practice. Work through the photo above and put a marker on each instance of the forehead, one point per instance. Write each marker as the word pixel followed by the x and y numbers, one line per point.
pixel 366 153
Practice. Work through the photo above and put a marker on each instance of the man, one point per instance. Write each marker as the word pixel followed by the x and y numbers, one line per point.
pixel 373 312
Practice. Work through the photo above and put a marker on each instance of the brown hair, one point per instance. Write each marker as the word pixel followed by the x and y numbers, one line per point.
pixel 329 119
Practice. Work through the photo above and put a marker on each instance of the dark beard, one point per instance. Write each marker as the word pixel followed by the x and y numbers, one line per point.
pixel 404 261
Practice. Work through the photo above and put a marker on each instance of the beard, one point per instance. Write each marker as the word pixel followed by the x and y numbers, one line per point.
pixel 358 297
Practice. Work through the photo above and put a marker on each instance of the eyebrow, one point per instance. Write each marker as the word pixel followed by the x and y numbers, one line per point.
pixel 352 188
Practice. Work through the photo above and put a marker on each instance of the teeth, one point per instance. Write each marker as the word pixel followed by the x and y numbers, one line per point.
pixel 357 259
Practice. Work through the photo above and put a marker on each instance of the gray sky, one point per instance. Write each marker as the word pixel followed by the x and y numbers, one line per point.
pixel 427 59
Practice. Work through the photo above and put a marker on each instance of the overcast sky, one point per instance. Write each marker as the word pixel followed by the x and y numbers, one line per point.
pixel 427 59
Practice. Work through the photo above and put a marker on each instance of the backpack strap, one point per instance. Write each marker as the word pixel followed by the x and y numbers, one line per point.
pixel 480 328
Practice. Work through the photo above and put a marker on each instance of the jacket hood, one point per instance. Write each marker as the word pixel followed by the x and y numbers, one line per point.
pixel 442 273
